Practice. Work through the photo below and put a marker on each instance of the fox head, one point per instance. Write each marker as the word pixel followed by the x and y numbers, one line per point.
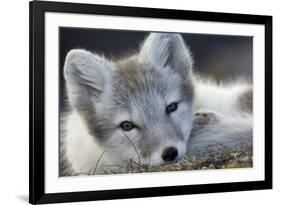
pixel 138 108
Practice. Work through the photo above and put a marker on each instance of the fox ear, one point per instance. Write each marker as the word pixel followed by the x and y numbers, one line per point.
pixel 86 76
pixel 167 50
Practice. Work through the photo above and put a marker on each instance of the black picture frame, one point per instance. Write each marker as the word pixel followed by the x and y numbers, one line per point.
pixel 37 9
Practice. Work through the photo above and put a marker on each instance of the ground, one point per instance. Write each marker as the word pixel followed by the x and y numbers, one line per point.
pixel 223 158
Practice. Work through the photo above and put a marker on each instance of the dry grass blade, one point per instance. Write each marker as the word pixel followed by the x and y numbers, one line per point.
pixel 133 146
pixel 98 163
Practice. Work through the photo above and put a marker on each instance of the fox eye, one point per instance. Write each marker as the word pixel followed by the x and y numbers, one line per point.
pixel 127 126
pixel 171 108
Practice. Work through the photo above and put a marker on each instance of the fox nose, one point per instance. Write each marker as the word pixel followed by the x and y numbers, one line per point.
pixel 169 154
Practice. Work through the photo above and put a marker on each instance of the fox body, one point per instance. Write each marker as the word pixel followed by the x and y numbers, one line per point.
pixel 148 108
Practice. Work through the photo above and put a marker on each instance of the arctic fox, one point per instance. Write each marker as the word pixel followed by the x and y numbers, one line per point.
pixel 148 108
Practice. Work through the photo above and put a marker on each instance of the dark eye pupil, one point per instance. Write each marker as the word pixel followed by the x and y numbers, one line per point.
pixel 127 126
pixel 172 107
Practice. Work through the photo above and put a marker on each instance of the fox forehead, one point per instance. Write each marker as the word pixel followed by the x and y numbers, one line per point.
pixel 144 84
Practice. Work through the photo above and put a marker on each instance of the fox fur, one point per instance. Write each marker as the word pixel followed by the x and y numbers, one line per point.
pixel 103 93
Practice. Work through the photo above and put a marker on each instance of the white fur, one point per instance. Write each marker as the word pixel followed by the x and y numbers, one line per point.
pixel 78 138
pixel 221 98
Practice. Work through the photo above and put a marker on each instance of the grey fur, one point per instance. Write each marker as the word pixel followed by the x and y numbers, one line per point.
pixel 211 131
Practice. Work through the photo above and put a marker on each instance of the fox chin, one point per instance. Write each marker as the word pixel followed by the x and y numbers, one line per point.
pixel 148 108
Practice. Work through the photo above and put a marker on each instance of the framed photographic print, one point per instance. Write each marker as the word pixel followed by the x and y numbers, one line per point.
pixel 140 102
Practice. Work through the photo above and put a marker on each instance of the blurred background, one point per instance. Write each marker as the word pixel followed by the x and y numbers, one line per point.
pixel 220 57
